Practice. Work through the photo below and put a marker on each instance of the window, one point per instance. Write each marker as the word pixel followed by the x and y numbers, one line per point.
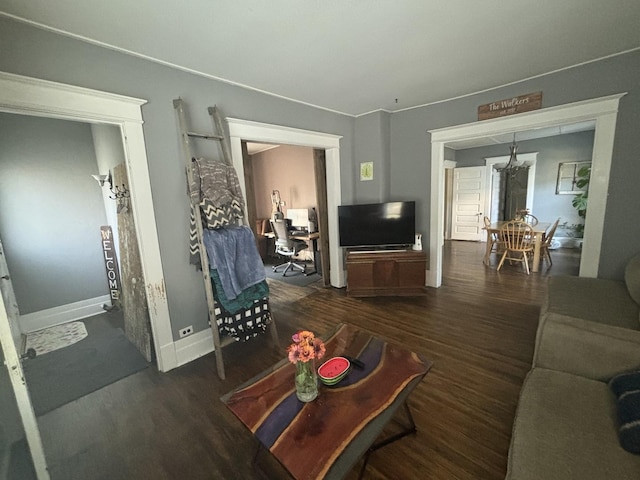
pixel 569 176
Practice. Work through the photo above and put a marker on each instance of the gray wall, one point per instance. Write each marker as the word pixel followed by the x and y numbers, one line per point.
pixel 50 211
pixel 41 54
pixel 372 144
pixel 37 53
pixel 411 144
pixel 547 205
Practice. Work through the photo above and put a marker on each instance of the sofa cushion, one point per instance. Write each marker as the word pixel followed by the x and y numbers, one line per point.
pixel 595 299
pixel 632 278
pixel 566 428
pixel 586 348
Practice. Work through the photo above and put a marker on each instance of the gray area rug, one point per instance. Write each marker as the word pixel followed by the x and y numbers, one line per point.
pixel 20 464
pixel 293 277
pixel 62 376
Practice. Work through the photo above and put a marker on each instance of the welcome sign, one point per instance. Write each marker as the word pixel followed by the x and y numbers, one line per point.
pixel 510 106
pixel 110 262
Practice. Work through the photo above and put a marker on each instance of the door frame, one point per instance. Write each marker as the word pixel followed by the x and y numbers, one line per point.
pixel 603 111
pixel 250 131
pixel 30 96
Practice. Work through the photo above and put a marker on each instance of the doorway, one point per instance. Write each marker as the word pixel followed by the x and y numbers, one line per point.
pixel 247 131
pixel 281 178
pixel 474 192
pixel 29 96
pixel 602 111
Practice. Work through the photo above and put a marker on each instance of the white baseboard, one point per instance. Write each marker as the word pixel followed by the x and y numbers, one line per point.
pixel 194 346
pixel 569 242
pixel 63 314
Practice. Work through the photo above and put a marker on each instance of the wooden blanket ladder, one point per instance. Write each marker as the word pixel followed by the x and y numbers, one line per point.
pixel 219 137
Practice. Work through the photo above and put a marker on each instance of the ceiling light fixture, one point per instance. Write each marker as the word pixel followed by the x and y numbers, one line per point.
pixel 513 159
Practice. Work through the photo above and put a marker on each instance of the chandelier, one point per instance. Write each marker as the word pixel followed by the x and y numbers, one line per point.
pixel 512 166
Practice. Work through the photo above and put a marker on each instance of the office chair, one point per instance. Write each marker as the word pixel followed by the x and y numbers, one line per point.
pixel 286 246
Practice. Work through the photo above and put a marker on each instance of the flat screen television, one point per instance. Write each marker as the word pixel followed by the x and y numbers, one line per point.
pixel 377 224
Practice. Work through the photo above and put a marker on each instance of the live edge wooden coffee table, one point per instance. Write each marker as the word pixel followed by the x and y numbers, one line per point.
pixel 326 437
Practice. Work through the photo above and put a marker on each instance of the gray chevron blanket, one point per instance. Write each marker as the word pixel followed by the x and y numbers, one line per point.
pixel 216 190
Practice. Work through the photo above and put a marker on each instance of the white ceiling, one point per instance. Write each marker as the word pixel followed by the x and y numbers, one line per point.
pixel 254 148
pixel 352 56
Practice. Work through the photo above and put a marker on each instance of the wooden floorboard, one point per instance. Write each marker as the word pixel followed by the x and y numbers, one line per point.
pixel 478 329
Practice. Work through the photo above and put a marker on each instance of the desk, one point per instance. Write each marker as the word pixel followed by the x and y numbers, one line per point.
pixel 326 437
pixel 300 236
pixel 538 231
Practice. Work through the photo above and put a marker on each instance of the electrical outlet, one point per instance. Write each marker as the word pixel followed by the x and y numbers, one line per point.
pixel 186 331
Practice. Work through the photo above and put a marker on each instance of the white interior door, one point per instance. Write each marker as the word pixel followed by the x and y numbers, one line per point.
pixel 467 209
pixel 8 309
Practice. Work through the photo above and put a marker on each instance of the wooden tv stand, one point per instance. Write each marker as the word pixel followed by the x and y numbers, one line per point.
pixel 386 272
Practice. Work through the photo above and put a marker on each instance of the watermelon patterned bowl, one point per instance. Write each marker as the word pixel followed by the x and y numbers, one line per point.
pixel 334 370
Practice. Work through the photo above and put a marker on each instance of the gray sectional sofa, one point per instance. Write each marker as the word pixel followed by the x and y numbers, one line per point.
pixel 566 425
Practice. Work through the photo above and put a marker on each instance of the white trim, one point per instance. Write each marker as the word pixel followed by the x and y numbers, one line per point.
pixel 26 95
pixel 450 164
pixel 603 110
pixel 240 130
pixel 194 346
pixel 31 322
pixel 268 133
pixel 30 96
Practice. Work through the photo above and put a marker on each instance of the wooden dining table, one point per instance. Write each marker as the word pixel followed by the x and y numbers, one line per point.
pixel 538 232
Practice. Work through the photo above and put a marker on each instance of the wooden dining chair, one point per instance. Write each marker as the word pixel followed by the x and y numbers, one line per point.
pixel 492 238
pixel 517 239
pixel 547 238
pixel 530 219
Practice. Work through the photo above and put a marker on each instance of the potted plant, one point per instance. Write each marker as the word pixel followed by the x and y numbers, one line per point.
pixel 580 201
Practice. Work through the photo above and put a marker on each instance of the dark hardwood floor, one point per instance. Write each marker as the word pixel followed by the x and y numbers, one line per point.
pixel 478 329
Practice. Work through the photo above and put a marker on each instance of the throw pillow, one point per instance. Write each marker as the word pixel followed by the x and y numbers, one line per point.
pixel 626 388
pixel 625 382
pixel 629 421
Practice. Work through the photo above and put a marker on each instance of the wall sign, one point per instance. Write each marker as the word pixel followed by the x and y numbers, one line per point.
pixel 510 106
pixel 366 171
pixel 110 262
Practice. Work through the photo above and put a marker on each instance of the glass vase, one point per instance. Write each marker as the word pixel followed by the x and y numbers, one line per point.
pixel 306 381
